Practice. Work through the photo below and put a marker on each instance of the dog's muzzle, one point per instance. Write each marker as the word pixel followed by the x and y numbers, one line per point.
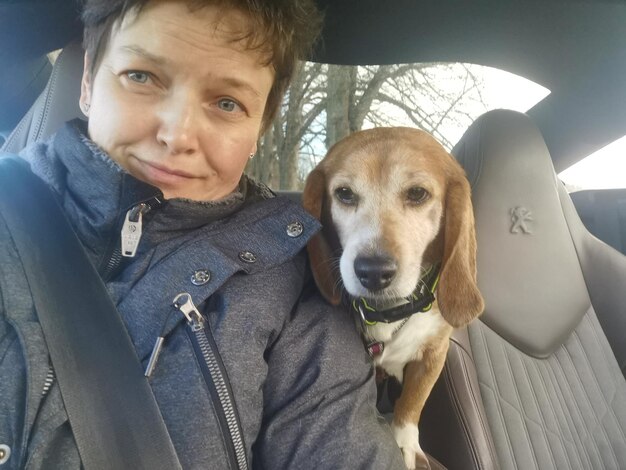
pixel 421 300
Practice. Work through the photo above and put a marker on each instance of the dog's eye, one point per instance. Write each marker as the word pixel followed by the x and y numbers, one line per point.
pixel 417 195
pixel 346 196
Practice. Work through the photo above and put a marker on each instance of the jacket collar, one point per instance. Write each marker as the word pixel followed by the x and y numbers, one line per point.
pixel 96 193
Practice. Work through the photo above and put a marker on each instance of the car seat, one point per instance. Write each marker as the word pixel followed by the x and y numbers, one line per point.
pixel 56 104
pixel 535 382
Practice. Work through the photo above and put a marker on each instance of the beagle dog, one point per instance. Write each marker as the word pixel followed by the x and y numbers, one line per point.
pixel 398 247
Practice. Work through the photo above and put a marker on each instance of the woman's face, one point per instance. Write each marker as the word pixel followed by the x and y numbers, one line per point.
pixel 175 102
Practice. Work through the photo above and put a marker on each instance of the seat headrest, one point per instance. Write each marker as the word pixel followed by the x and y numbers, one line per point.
pixel 528 269
pixel 57 103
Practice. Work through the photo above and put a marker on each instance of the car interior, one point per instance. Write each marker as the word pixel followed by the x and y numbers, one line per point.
pixel 539 380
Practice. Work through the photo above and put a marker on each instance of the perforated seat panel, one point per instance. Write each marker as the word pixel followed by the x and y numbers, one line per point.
pixel 562 412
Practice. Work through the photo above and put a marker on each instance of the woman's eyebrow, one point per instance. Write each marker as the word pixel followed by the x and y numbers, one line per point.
pixel 140 51
pixel 232 82
pixel 241 85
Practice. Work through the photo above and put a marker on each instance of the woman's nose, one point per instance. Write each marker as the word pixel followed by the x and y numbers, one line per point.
pixel 178 126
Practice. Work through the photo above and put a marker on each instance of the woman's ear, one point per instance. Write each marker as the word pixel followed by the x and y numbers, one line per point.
pixel 85 88
pixel 325 271
pixel 458 296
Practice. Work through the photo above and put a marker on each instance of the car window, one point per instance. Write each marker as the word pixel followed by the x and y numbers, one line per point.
pixel 327 102
pixel 604 169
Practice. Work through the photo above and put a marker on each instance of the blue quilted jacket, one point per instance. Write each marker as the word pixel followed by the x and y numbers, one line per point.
pixel 301 381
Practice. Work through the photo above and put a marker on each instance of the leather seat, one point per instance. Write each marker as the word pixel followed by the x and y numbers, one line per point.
pixel 56 104
pixel 535 383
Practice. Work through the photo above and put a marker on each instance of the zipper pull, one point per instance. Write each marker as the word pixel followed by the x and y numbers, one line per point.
pixel 184 303
pixel 131 230
pixel 154 357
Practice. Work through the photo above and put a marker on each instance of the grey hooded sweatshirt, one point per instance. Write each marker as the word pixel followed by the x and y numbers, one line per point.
pixel 301 381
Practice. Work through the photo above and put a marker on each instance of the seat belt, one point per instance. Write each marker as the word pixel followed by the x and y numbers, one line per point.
pixel 114 416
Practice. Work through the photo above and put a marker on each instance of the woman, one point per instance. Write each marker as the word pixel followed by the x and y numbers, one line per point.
pixel 176 94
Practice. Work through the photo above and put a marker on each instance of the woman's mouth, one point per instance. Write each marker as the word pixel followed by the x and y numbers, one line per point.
pixel 159 174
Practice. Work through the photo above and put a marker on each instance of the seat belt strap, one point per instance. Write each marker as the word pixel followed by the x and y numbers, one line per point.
pixel 114 416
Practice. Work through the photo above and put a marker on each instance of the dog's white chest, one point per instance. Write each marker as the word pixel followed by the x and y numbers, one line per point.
pixel 407 344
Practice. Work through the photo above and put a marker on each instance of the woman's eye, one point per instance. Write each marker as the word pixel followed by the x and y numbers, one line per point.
pixel 346 196
pixel 417 195
pixel 139 77
pixel 228 105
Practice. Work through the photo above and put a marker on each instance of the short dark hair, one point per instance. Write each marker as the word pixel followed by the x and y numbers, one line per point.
pixel 283 30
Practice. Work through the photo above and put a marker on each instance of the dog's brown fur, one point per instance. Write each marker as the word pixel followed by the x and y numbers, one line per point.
pixel 380 165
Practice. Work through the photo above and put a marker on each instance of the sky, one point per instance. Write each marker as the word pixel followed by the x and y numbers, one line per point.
pixel 604 169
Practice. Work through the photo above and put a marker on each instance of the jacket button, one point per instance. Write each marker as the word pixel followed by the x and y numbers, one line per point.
pixel 247 257
pixel 200 277
pixel 5 453
pixel 294 229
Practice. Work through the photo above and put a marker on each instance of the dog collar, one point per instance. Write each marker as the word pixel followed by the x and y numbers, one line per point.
pixel 421 300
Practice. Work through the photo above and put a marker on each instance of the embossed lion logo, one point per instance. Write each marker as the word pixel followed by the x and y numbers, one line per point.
pixel 520 216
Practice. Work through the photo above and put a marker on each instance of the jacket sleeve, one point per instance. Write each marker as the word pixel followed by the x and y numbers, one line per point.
pixel 319 398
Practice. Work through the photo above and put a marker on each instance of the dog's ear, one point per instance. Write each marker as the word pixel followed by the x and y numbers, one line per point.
pixel 459 299
pixel 320 246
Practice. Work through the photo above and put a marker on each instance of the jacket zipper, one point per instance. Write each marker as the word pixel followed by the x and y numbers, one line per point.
pixel 214 374
pixel 48 381
pixel 132 229
pixel 115 259
pixel 130 236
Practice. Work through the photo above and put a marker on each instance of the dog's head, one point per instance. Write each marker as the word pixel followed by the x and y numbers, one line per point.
pixel 393 201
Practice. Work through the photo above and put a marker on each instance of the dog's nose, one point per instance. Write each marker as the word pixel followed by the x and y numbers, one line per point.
pixel 375 272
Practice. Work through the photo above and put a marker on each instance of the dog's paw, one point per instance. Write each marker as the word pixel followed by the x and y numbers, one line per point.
pixel 407 437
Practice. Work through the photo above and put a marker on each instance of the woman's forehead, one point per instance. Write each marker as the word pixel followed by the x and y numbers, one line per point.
pixel 208 24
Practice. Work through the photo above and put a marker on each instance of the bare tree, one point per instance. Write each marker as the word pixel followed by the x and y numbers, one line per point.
pixel 431 97
pixel 278 153
pixel 327 102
